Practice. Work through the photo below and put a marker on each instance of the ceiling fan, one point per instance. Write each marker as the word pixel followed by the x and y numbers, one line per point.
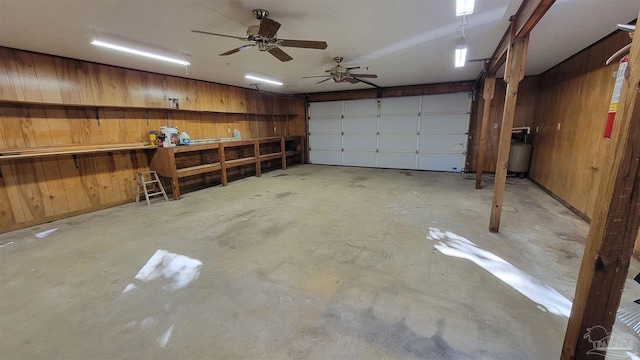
pixel 340 74
pixel 264 37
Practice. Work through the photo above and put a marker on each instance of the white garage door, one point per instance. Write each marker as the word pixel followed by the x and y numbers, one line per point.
pixel 420 132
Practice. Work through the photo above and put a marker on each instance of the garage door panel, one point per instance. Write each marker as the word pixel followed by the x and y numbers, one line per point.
pixel 324 110
pixel 445 103
pixel 360 142
pixel 398 143
pixel 361 108
pixel 445 123
pixel 360 125
pixel 397 160
pixel 399 124
pixel 325 157
pixel 325 126
pixel 400 105
pixel 417 132
pixel 325 142
pixel 442 144
pixel 441 162
pixel 363 158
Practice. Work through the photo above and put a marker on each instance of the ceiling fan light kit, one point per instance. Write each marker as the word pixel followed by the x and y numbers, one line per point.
pixel 340 74
pixel 264 37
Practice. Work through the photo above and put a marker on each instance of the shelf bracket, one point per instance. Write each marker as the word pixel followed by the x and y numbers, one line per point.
pixel 146 116
pixel 166 115
pixel 97 117
pixel 75 160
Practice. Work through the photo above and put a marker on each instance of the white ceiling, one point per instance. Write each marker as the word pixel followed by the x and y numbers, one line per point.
pixel 404 42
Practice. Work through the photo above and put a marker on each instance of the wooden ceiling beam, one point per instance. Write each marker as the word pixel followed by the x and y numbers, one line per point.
pixel 525 19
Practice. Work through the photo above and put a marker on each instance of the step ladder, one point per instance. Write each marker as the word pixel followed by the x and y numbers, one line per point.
pixel 150 185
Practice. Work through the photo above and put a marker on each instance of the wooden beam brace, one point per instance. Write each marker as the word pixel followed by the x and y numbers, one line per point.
pixel 516 58
pixel 500 54
pixel 614 226
pixel 487 95
pixel 525 19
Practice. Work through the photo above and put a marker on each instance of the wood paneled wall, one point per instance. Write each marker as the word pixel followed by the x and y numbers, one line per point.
pixel 572 105
pixel 413 90
pixel 525 111
pixel 47 100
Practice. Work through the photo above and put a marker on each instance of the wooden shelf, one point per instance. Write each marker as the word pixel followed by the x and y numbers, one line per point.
pixel 197 147
pixel 239 162
pixel 121 107
pixel 241 152
pixel 199 169
pixel 22 153
pixel 271 156
pixel 270 140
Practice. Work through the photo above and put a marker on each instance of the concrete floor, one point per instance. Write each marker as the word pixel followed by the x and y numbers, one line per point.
pixel 314 262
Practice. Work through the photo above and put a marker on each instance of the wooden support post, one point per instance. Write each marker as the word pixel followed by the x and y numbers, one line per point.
pixel 256 154
pixel 614 226
pixel 223 166
pixel 487 96
pixel 515 57
pixel 284 153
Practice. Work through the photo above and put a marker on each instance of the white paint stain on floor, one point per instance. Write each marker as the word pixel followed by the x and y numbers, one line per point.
pixel 179 269
pixel 545 296
pixel 128 288
pixel 164 339
pixel 45 233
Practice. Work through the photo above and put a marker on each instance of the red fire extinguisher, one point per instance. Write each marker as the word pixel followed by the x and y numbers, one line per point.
pixel 615 97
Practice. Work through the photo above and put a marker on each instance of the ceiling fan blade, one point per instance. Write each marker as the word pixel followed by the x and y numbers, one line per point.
pixel 352 80
pixel 370 76
pixel 216 34
pixel 321 81
pixel 370 83
pixel 353 68
pixel 307 44
pixel 310 77
pixel 268 28
pixel 244 47
pixel 279 54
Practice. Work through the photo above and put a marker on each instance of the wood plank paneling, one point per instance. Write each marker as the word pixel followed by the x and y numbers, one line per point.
pixel 6 211
pixel 47 78
pixel 573 100
pixel 412 90
pixel 11 188
pixel 23 74
pixel 59 101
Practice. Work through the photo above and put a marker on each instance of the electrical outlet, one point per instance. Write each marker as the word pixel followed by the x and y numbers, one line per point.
pixel 495 125
pixel 558 126
pixel 536 129
pixel 274 129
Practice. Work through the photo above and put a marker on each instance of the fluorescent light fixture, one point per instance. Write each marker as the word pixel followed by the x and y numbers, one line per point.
pixel 138 52
pixel 464 7
pixel 461 55
pixel 251 77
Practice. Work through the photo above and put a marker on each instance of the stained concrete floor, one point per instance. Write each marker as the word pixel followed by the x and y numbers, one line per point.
pixel 314 262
